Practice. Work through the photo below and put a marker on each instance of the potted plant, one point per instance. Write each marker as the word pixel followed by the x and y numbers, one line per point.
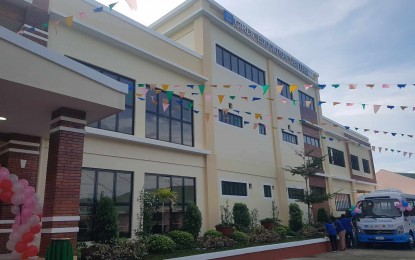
pixel 226 225
pixel 270 223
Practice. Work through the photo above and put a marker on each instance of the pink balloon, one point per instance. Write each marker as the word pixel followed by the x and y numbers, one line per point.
pixel 398 204
pixel 15 210
pixel 409 208
pixel 15 227
pixel 24 182
pixel 17 220
pixel 29 191
pixel 4 173
pixel 26 213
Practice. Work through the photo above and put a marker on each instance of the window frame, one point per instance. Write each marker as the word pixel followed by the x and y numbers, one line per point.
pixel 160 115
pixel 249 70
pixel 285 92
pixel 303 98
pixel 262 129
pixel 334 156
pixel 94 203
pixel 342 201
pixel 366 166
pixel 230 118
pixel 266 191
pixel 354 161
pixel 311 140
pixel 294 193
pixel 245 184
pixel 288 136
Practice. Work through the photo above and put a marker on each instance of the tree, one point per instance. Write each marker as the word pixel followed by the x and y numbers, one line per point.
pixel 309 167
pixel 296 217
pixel 105 224
pixel 192 220
pixel 147 204
pixel 162 195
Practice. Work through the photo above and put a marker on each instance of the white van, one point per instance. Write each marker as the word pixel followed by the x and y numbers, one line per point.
pixel 382 221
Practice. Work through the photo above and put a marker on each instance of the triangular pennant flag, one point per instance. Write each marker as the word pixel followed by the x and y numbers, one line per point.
pixel 221 98
pixel 265 89
pixel 392 150
pixel 294 102
pixel 335 85
pixel 256 98
pixel 226 86
pixel 165 106
pixel 291 119
pixel 201 89
pixel 253 86
pixel 404 154
pixel 141 98
pixel 69 21
pixel 293 88
pixel 401 86
pixel 380 149
pixel 165 87
pixel 390 107
pixel 196 111
pixel 246 122
pixel 82 15
pixel 255 125
pixel 176 85
pixel 132 4
pixel 321 103
pixel 181 94
pixel 257 115
pixel 373 148
pixel 323 137
pixel 169 95
pixel 331 139
pixel 246 98
pixel 141 85
pixel 208 97
pixel 386 149
pixel 410 154
pixel 112 6
pixel 376 108
pixel 393 134
pixel 398 151
pixel 385 132
pixel 248 113
pixel 283 100
pixel 232 97
pixel 190 86
pixel 321 86
pixel 45 25
pixel 404 107
pixel 364 106
pixel 279 89
pixel 336 103
pixel 308 103
pixel 375 131
pixel 98 9
pixel 349 104
pixel 371 86
pixel 189 105
pixel 352 86
pixel 280 117
pixel 207 116
pixel 214 86
pixel 356 128
pixel 307 86
pixel 385 85
pixel 347 127
pixel 366 130
pixel 402 134
pixel 411 136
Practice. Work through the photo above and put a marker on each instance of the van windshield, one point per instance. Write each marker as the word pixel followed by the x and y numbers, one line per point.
pixel 380 208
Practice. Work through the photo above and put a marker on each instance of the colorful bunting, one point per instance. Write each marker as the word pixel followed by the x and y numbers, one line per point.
pixel 190 86
pixel 69 21
pixel 321 103
pixel 256 98
pixel 385 85
pixel 111 6
pixel 401 86
pixel 279 89
pixel 98 9
pixel 253 86
pixel 165 87
pixel 293 88
pixel 321 86
pixel 201 89
pixel 335 85
pixel 226 86
pixel 376 108
pixel 371 86
pixel 220 97
pixel 307 86
pixel 352 86
pixel 265 89
pixel 169 95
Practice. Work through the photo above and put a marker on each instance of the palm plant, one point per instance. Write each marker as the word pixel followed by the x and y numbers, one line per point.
pixel 162 195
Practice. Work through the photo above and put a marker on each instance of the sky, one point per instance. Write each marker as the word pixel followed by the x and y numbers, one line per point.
pixel 346 42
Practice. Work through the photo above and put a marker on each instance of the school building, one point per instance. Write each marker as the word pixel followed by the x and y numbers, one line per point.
pixel 96 104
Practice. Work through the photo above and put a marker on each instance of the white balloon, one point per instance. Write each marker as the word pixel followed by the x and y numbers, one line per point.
pixel 15 210
pixel 15 237
pixel 34 220
pixel 10 245
pixel 13 178
pixel 17 187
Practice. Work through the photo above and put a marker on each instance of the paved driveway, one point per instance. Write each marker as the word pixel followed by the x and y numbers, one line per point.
pixel 375 253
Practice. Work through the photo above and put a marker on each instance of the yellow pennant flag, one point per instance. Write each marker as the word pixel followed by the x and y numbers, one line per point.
pixel 165 87
pixel 293 88
pixel 257 115
pixel 220 98
pixel 336 103
pixel 226 86
pixel 69 21
pixel 279 89
pixel 308 103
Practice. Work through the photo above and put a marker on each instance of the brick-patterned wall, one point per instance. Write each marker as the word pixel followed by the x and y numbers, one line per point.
pixel 308 114
pixel 42 4
pixel 12 12
pixel 63 177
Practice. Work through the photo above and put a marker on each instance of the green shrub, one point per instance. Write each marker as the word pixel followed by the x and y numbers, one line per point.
pixel 160 244
pixel 105 222
pixel 182 239
pixel 241 216
pixel 296 217
pixel 214 242
pixel 240 237
pixel 309 231
pixel 322 216
pixel 282 230
pixel 263 235
pixel 122 249
pixel 147 204
pixel 212 233
pixel 192 220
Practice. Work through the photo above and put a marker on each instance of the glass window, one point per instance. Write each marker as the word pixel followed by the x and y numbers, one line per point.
pixel 289 137
pixel 239 66
pixel 355 162
pixel 304 99
pixel 342 201
pixel 96 183
pixel 336 157
pixel 123 121
pixel 186 189
pixel 230 118
pixel 311 141
pixel 366 167
pixel 175 124
pixel 285 89
pixel 267 191
pixel 262 129
pixel 234 188
pixel 295 194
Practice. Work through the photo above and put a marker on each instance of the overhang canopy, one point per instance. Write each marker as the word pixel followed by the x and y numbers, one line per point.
pixel 35 81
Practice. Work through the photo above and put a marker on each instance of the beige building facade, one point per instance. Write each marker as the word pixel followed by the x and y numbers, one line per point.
pixel 214 110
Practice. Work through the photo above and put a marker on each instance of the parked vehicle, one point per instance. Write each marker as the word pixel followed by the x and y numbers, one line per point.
pixel 387 216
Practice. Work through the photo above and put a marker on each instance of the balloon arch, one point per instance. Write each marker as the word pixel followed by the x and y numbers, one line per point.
pixel 24 239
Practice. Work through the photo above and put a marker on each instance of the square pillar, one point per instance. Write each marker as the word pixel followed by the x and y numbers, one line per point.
pixel 63 177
